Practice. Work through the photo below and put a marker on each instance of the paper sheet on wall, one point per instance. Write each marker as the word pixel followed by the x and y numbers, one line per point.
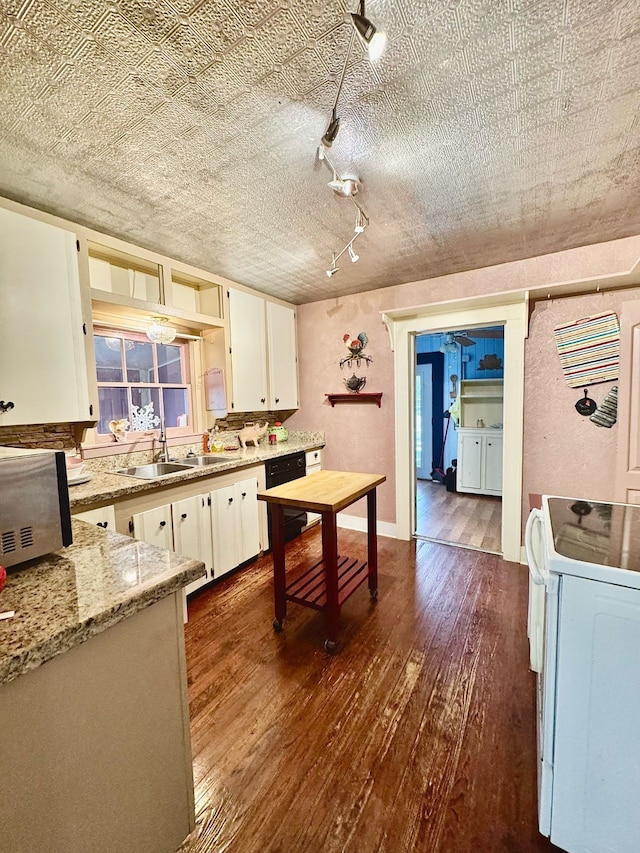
pixel 589 349
pixel 214 391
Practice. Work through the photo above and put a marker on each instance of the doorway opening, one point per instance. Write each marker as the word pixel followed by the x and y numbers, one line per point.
pixel 458 415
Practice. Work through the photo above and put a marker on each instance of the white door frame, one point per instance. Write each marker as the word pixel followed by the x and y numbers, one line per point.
pixel 510 310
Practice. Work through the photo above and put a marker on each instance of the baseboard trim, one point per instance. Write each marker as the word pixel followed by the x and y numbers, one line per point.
pixel 356 522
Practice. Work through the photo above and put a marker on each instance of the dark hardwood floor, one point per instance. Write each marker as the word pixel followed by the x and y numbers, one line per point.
pixel 417 735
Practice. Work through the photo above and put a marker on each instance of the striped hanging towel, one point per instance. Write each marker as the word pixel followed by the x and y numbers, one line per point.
pixel 589 349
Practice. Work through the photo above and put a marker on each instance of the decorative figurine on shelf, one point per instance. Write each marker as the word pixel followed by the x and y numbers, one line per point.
pixel 119 429
pixel 355 384
pixel 252 433
pixel 356 347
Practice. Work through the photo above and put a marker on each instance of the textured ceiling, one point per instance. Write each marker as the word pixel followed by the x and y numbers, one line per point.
pixel 488 131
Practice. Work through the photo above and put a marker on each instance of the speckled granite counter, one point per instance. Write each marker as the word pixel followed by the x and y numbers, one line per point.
pixel 106 485
pixel 73 594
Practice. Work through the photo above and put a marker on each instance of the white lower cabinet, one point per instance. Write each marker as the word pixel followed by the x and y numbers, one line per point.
pixel 480 461
pixel 192 534
pixel 234 525
pixel 155 527
pixel 221 528
pixel 104 517
pixel 313 463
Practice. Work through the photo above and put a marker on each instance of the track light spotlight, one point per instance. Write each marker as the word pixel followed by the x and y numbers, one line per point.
pixel 347 187
pixel 371 38
pixel 332 130
pixel 332 271
pixel 353 255
pixel 360 222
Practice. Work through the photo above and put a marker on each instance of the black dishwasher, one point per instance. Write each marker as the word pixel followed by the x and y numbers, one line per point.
pixel 281 470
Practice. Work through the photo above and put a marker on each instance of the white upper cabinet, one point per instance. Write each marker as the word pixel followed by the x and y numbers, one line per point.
pixel 283 363
pixel 248 351
pixel 43 346
pixel 263 354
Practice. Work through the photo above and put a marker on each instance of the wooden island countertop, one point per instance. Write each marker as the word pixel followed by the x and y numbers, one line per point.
pixel 324 491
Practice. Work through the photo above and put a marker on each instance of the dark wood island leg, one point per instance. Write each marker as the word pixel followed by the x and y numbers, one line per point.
pixel 330 557
pixel 372 544
pixel 279 574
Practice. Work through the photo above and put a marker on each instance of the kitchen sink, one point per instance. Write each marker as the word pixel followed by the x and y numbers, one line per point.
pixel 196 461
pixel 153 470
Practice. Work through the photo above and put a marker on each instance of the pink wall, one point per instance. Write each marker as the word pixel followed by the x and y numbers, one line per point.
pixel 564 453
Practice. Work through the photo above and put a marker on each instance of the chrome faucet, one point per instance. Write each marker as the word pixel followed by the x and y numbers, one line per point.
pixel 164 453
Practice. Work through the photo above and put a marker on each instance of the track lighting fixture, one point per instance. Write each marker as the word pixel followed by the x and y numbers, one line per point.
pixel 347 185
pixel 368 34
pixel 332 130
pixel 361 220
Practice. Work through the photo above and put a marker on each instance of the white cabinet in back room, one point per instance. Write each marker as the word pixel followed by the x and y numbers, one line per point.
pixel 46 326
pixel 480 461
pixel 264 365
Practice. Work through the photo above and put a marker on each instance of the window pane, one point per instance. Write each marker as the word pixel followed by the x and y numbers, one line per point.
pixel 169 364
pixel 176 407
pixel 140 362
pixel 113 405
pixel 145 409
pixel 108 358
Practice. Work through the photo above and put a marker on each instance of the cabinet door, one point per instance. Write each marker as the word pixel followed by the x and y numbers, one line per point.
pixel 43 369
pixel 248 352
pixel 224 530
pixel 313 460
pixel 192 534
pixel 469 462
pixel 249 540
pixel 492 464
pixel 596 773
pixel 154 527
pixel 104 517
pixel 283 360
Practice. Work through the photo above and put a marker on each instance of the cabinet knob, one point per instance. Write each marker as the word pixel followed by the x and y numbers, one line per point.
pixel 103 524
pixel 244 494
pixel 263 399
pixel 162 523
pixel 277 399
pixel 477 442
pixel 230 500
pixel 6 407
pixel 184 515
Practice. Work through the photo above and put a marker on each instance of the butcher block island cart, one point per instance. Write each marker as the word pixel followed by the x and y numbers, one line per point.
pixel 324 583
pixel 95 751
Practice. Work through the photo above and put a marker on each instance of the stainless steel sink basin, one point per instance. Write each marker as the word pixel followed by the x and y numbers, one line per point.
pixel 196 461
pixel 154 469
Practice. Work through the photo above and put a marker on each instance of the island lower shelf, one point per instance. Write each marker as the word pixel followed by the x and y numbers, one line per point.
pixel 309 584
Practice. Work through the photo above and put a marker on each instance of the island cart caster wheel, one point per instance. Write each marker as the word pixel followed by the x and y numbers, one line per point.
pixel 277 626
pixel 330 646
pixel 374 594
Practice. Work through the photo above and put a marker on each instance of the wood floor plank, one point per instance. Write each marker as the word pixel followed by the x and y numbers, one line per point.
pixel 417 735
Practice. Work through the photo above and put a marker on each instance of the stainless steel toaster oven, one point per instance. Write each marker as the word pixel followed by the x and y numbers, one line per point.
pixel 35 518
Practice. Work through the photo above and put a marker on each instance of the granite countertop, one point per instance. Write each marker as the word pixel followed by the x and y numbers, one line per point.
pixel 107 485
pixel 66 597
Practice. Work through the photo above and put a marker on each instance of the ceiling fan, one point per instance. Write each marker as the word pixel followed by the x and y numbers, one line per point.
pixel 467 339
